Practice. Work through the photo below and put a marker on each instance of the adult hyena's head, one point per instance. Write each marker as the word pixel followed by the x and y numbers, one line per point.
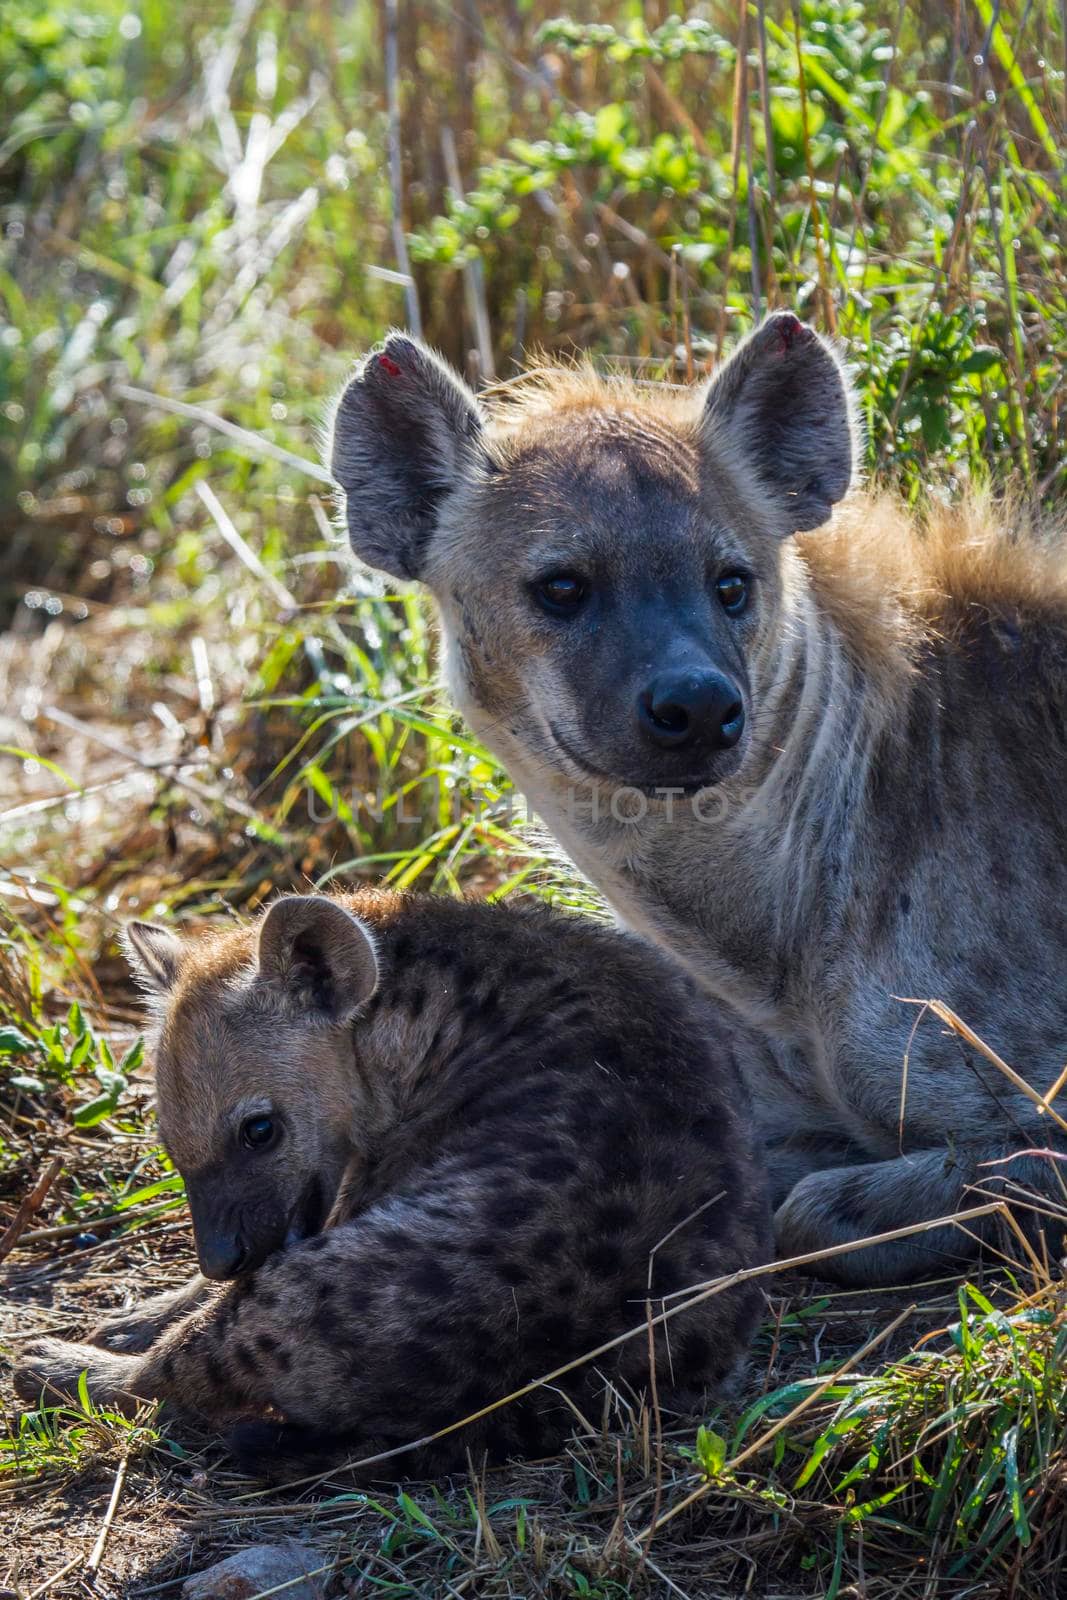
pixel 258 1093
pixel 606 559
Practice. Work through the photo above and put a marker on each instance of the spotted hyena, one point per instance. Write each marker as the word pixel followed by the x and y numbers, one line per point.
pixel 817 754
pixel 432 1151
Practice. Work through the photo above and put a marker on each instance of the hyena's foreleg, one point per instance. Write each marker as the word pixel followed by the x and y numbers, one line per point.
pixel 136 1330
pixel 842 1204
pixel 380 1329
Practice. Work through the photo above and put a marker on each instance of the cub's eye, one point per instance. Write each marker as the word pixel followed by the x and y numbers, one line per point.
pixel 732 590
pixel 561 593
pixel 258 1132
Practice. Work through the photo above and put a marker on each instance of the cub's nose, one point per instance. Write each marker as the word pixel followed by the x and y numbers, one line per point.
pixel 689 708
pixel 220 1255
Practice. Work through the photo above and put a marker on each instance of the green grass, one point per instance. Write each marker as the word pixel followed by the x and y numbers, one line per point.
pixel 56 1441
pixel 199 703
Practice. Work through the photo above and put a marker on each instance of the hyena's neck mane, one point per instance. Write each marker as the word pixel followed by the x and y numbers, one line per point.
pixel 899 645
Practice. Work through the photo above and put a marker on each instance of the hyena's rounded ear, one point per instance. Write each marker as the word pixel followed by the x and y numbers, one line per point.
pixel 405 433
pixel 318 955
pixel 780 416
pixel 154 953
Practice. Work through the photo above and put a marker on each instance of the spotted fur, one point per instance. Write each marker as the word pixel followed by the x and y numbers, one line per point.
pixel 515 1122
pixel 891 823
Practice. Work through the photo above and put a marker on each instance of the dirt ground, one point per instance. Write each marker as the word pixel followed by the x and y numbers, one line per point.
pixel 181 1507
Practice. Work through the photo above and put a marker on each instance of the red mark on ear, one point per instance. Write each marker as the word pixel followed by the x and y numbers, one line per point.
pixel 388 365
pixel 790 329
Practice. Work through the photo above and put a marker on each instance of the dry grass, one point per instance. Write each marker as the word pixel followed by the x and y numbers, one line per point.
pixel 906 1442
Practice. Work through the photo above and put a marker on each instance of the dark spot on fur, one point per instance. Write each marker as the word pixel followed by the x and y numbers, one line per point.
pixel 695 1353
pixel 664 1169
pixel 669 1273
pixel 603 1260
pixel 215 1371
pixel 428 1277
pixel 511 1210
pixel 471 1397
pixel 420 1362
pixel 556 1332
pixel 550 1169
pixel 708 1126
pixel 397 1242
pixel 244 1357
pixel 607 1052
pixel 614 1216
pixel 417 1001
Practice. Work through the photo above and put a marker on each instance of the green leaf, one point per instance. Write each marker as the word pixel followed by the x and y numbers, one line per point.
pixel 27 1083
pixel 15 1043
pixel 102 1105
pixel 416 1514
pixel 608 125
pixel 80 1052
pixel 1013 1485
pixel 981 360
pixel 133 1058
pixel 42 761
pixel 172 1185
pixel 711 1451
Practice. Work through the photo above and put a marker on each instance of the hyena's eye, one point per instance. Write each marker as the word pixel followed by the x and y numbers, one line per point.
pixel 732 590
pixel 258 1133
pixel 561 593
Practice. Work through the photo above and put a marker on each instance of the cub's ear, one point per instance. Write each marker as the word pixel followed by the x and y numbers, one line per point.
pixel 154 953
pixel 318 954
pixel 780 413
pixel 405 433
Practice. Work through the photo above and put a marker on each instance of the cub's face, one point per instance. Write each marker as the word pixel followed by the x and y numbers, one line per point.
pixel 257 1086
pixel 254 1113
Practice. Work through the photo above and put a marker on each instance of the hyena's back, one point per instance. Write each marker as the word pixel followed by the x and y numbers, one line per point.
pixel 560 1135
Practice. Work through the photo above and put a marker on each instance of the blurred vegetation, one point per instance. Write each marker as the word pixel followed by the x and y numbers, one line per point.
pixel 222 213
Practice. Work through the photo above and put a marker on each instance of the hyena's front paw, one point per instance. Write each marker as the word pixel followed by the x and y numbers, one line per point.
pixel 128 1333
pixel 844 1204
pixel 817 1214
pixel 48 1371
pixel 134 1332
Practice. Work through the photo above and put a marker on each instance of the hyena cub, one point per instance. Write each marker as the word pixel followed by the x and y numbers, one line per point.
pixel 434 1151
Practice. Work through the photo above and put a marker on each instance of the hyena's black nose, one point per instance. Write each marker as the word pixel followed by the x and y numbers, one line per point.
pixel 691 708
pixel 220 1255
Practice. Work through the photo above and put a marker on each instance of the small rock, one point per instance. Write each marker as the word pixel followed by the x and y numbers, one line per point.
pixel 260 1567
